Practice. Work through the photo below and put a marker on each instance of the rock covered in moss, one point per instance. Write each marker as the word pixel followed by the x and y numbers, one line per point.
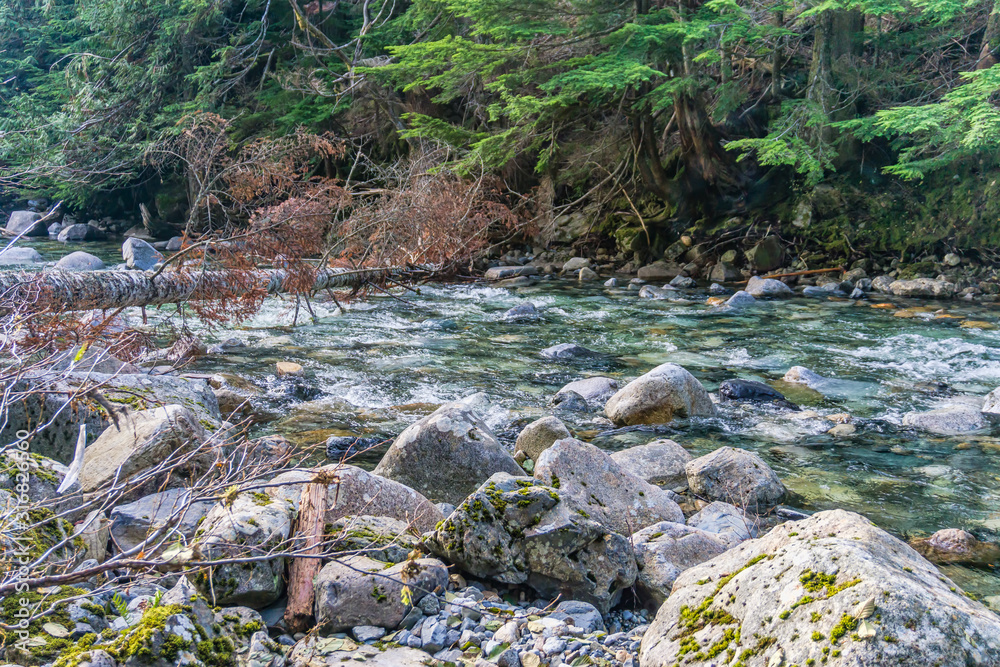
pixel 381 538
pixel 801 589
pixel 517 530
pixel 356 590
pixel 611 495
pixel 446 455
pixel 44 477
pixel 736 476
pixel 663 394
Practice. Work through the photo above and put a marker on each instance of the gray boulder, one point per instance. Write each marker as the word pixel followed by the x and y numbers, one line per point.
pixel 724 272
pixel 381 538
pixel 659 271
pixel 78 232
pixel 949 420
pixel 729 524
pixel 767 287
pixel 735 476
pixel 174 244
pixel 663 394
pixel 519 531
pixel 524 312
pixel 359 492
pixel 653 292
pixel 683 282
pixel 663 551
pixel 613 497
pixel 923 287
pixel 79 261
pixel 314 651
pixel 882 283
pixel 252 523
pixel 797 592
pixel 139 254
pixel 660 462
pixel 740 299
pixel 446 455
pixel 17 255
pixel 356 590
pixel 25 220
pixel 132 523
pixel 594 389
pixel 44 477
pixel 539 435
pixel 574 264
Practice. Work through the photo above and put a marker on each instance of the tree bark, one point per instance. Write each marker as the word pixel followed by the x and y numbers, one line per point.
pixel 835 39
pixel 302 571
pixel 86 290
pixel 990 51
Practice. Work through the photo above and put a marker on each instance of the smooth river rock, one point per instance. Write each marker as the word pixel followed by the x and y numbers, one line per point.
pixel 923 287
pixel 19 221
pixel 767 287
pixel 596 389
pixel 18 255
pixel 660 462
pixel 949 420
pixel 80 261
pixel 663 394
pixel 539 435
pixel 735 476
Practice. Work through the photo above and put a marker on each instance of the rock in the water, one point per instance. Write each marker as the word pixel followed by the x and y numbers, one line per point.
pixel 766 255
pixel 949 420
pixel 341 446
pixel 17 255
pixel 882 283
pixel 612 496
pixel 663 551
pixel 521 313
pixel 539 435
pixel 19 221
pixel 764 287
pixel 595 390
pixel 356 590
pixel 570 401
pixel 79 261
pixel 659 270
pixel 567 351
pixel 142 441
pixel 754 391
pixel 131 524
pixel 683 282
pixel 574 264
pixel 74 233
pixel 446 455
pixel 379 537
pixel 730 524
pixel 802 375
pixel 923 287
pixel 660 462
pixel 518 531
pixel 991 405
pixel 735 476
pixel 504 272
pixel 740 299
pixel 955 546
pixel 717 290
pixel 359 492
pixel 799 590
pixel 652 292
pixel 663 394
pixel 611 282
pixel 249 523
pixel 140 255
pixel 587 275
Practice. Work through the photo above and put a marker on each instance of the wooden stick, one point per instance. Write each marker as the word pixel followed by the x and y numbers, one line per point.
pixel 796 273
pixel 302 571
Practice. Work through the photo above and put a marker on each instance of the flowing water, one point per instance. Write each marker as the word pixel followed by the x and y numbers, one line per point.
pixel 384 362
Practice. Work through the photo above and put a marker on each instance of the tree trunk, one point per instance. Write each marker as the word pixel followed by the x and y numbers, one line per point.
pixel 302 571
pixel 990 51
pixel 834 41
pixel 777 58
pixel 85 290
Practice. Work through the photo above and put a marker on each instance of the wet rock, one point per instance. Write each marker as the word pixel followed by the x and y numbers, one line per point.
pixel 574 264
pixel 252 522
pixel 378 537
pixel 923 287
pixel 570 401
pixel 19 221
pixel 857 293
pixel 767 287
pixel 567 351
pixel 142 440
pixel 735 476
pixel 356 590
pixel 587 275
pixel 132 523
pixel 828 566
pixel 504 272
pixel 452 439
pixel 664 550
pixel 729 524
pixel 659 271
pixel 614 497
pixel 753 391
pixel 991 405
pixel 881 284
pixel 17 255
pixel 140 255
pixel 518 531
pixel 717 290
pixel 595 390
pixel 521 313
pixel 949 420
pixel 955 546
pixel 683 282
pixel 660 462
pixel 611 282
pixel 76 233
pixel 653 292
pixel 766 255
pixel 289 369
pixel 740 299
pixel 346 446
pixel 359 492
pixel 663 394
pixel 539 435
pixel 802 375
pixel 79 261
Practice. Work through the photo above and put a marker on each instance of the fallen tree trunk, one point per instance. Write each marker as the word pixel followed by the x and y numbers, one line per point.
pixel 86 290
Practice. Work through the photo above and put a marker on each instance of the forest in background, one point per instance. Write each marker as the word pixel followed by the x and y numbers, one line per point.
pixel 857 126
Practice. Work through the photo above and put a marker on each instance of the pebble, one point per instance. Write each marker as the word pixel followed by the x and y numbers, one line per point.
pixel 289 368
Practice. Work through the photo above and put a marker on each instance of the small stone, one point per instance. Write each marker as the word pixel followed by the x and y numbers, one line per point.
pixel 289 368
pixel 587 275
pixel 951 259
pixel 842 430
pixel 611 282
pixel 368 633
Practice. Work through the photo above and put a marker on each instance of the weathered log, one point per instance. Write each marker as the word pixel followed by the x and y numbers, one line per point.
pixel 85 290
pixel 302 571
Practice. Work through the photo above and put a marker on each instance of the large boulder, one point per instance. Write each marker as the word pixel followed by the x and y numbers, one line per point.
pixel 798 592
pixel 539 435
pixel 663 394
pixel 618 499
pixel 79 261
pixel 359 492
pixel 132 523
pixel 357 590
pixel 446 455
pixel 595 390
pixel 44 477
pixel 949 420
pixel 79 232
pixel 379 537
pixel 252 523
pixel 660 462
pixel 922 287
pixel 20 256
pixel 663 551
pixel 735 476
pixel 764 287
pixel 659 271
pixel 766 255
pixel 139 254
pixel 19 221
pixel 519 531
pixel 141 441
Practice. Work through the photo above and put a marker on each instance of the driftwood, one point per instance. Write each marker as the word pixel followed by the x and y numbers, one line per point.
pixel 86 290
pixel 302 572
pixel 797 273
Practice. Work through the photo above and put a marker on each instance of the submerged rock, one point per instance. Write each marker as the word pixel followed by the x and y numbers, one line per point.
pixel 736 476
pixel 949 420
pixel 567 351
pixel 663 394
pixel 798 592
pixel 521 313
pixel 955 546
pixel 740 299
pixel 753 391
pixel 802 375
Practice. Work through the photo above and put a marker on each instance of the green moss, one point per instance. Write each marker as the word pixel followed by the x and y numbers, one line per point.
pixel 261 498
pixel 218 652
pixel 54 646
pixel 818 636
pixel 845 625
pixel 555 482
